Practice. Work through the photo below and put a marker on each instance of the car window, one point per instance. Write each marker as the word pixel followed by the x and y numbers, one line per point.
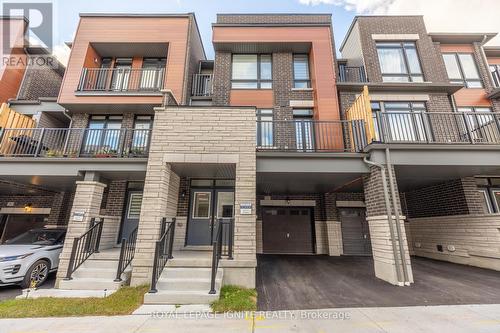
pixel 38 237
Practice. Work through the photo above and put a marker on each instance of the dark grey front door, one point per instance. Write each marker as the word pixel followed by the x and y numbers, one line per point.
pixel 132 214
pixel 355 232
pixel 207 205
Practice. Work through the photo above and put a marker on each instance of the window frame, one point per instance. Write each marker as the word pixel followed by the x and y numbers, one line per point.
pixel 409 75
pixel 259 115
pixel 488 190
pixel 259 81
pixel 464 81
pixel 295 81
pixel 495 74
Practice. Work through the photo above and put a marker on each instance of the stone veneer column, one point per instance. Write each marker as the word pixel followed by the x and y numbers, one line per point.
pixel 160 196
pixel 384 259
pixel 88 198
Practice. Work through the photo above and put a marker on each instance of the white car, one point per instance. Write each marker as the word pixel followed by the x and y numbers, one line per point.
pixel 28 258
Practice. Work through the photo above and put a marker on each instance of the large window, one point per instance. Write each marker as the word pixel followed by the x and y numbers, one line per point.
pixel 304 129
pixel 400 121
pixel 462 69
pixel 399 62
pixel 252 71
pixel 103 134
pixel 489 192
pixel 301 76
pixel 265 128
pixel 495 73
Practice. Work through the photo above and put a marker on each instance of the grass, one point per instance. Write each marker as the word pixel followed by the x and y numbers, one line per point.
pixel 234 299
pixel 122 302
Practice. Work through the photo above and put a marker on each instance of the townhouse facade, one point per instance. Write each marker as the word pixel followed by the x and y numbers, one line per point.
pixel 180 171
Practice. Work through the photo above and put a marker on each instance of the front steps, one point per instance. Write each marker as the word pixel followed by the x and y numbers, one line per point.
pixel 98 272
pixel 186 280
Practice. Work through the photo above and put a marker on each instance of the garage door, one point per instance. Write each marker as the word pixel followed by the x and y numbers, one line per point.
pixel 355 232
pixel 287 230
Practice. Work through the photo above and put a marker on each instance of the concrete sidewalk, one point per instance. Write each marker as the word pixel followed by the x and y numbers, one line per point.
pixel 456 318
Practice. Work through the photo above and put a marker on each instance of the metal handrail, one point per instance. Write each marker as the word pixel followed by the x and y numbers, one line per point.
pixel 202 85
pixel 122 79
pixel 352 73
pixel 84 246
pixel 163 251
pixel 75 142
pixel 221 246
pixel 127 251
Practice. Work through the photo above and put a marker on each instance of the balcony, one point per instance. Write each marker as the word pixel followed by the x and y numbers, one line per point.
pixel 311 136
pixel 352 74
pixel 202 85
pixel 121 80
pixel 495 73
pixel 75 143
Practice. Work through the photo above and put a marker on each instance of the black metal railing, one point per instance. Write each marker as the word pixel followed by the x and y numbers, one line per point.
pixel 122 80
pixel 311 135
pixel 495 73
pixel 222 247
pixel 202 85
pixel 437 127
pixel 127 251
pixel 74 142
pixel 84 246
pixel 352 74
pixel 163 251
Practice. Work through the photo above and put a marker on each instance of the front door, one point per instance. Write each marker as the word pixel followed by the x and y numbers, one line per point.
pixel 132 214
pixel 355 232
pixel 207 206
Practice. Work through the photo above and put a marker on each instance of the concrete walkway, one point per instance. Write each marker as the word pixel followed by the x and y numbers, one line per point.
pixel 449 318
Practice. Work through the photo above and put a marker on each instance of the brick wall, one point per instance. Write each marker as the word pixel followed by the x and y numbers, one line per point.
pixel 222 78
pixel 40 81
pixel 274 19
pixel 184 193
pixel 455 197
pixel 432 65
pixel 114 198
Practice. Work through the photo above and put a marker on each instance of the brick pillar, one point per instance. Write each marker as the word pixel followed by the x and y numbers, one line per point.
pixel 384 259
pixel 88 197
pixel 333 226
pixel 160 197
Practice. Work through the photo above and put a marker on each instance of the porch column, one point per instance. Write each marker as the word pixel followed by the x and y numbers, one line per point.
pixel 160 196
pixel 88 198
pixel 387 258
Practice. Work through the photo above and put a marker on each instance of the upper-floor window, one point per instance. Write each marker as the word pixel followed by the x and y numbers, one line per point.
pixel 462 69
pixel 400 121
pixel 265 127
pixel 495 73
pixel 301 76
pixel 399 62
pixel 252 71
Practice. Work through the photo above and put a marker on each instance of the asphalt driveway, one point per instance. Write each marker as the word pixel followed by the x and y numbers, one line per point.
pixel 318 282
pixel 10 292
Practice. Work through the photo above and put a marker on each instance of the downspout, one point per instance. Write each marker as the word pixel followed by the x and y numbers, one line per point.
pixel 485 59
pixel 389 214
pixel 396 212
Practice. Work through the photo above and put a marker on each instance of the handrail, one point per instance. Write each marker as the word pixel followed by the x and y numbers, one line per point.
pixel 202 85
pixel 352 73
pixel 122 79
pixel 163 251
pixel 84 246
pixel 75 142
pixel 221 246
pixel 127 251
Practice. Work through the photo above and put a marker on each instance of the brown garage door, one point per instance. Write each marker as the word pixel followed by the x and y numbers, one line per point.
pixel 287 230
pixel 355 232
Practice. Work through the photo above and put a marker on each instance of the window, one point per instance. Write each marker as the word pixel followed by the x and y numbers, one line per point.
pixel 399 62
pixel 142 131
pixel 400 121
pixel 201 205
pixel 152 73
pixel 462 69
pixel 134 206
pixel 301 77
pixel 481 123
pixel 495 73
pixel 489 191
pixel 252 71
pixel 225 204
pixel 265 128
pixel 304 129
pixel 121 74
pixel 103 134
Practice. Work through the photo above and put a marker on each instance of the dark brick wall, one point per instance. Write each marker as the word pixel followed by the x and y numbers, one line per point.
pixel 319 210
pixel 455 197
pixel 374 192
pixel 222 78
pixel 432 64
pixel 274 19
pixel 330 200
pixel 183 201
pixel 114 198
pixel 40 81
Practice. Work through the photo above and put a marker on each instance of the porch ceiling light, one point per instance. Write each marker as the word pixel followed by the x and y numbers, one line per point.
pixel 28 208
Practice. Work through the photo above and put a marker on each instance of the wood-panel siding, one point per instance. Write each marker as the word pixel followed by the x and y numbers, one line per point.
pixel 465 48
pixel 262 99
pixel 494 60
pixel 472 97
pixel 171 30
pixel 321 57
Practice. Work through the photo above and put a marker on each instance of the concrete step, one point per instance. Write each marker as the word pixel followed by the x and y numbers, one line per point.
pixel 190 262
pixel 97 263
pixel 100 273
pixel 183 284
pixel 78 283
pixel 180 297
pixel 111 254
pixel 188 272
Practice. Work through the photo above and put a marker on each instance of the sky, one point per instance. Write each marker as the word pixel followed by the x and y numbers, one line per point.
pixel 440 15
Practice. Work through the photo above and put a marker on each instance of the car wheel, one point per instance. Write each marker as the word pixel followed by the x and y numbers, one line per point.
pixel 37 274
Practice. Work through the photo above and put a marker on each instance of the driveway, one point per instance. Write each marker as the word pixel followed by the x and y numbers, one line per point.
pixel 9 292
pixel 318 282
